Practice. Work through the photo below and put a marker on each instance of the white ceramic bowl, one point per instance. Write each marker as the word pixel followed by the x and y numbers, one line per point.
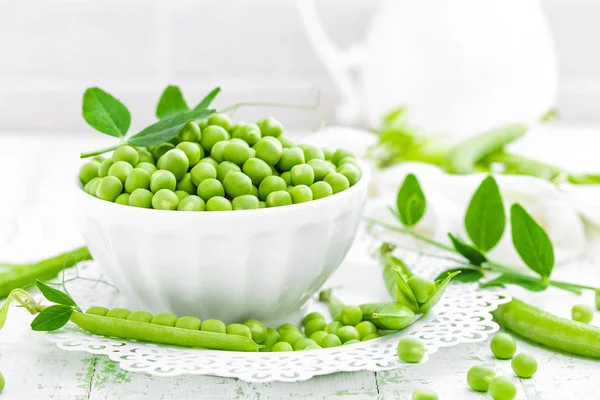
pixel 230 265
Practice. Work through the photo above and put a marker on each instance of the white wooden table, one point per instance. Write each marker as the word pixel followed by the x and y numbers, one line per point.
pixel 36 175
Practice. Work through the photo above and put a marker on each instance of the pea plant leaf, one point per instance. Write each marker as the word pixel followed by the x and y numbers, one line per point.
pixel 171 102
pixel 167 128
pixel 207 101
pixel 474 256
pixel 52 318
pixel 529 283
pixel 54 295
pixel 485 219
pixel 467 274
pixel 105 113
pixel 411 201
pixel 531 242
pixel 440 288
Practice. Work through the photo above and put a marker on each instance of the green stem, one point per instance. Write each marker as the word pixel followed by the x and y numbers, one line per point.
pixel 412 233
pixel 98 152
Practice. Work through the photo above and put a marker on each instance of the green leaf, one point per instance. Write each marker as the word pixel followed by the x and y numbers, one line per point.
pixel 485 218
pixel 438 293
pixel 467 251
pixel 531 242
pixel 171 102
pixel 166 129
pixel 467 274
pixel 207 101
pixel 54 295
pixel 529 283
pixel 105 113
pixel 52 318
pixel 411 201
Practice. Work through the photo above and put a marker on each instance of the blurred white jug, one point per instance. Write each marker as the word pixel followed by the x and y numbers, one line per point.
pixel 460 66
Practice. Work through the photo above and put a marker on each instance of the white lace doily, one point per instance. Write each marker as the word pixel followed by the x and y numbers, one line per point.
pixel 462 316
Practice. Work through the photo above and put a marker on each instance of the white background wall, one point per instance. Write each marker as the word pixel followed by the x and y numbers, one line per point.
pixel 51 50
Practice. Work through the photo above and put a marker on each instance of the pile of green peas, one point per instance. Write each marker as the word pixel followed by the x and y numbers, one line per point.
pixel 216 165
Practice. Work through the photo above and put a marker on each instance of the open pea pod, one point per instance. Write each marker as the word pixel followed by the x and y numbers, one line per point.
pixel 440 288
pixel 396 284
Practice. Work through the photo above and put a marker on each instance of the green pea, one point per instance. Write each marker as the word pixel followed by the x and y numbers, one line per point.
pixel 290 336
pixel 120 313
pixel 503 346
pixel 424 394
pixel 254 191
pixel 351 315
pixel 164 319
pixel 320 189
pixel 123 199
pixel 328 153
pixel 270 127
pixel 161 150
pixel 165 199
pixel 271 337
pixel 189 133
pixel 256 169
pixel 282 346
pixel 140 316
pixel 217 151
pixel 202 123
pixel 193 151
pixel 225 168
pixel 95 310
pixel 191 203
pixel 109 188
pixel 257 329
pixel 212 134
pixel 92 183
pixel 279 198
pixel 221 120
pixel 288 327
pixel 237 184
pixel 162 179
pixel 311 316
pixel 312 347
pixel 145 157
pixel 128 154
pixel 338 182
pixel 2 382
pixel 524 365
pixel 245 202
pixel 240 330
pixel 213 325
pixel 302 344
pixel 149 168
pixel 209 188
pixel 141 198
pixel 348 332
pixel 262 204
pixel 331 340
pixel 421 287
pixel 351 341
pixel 269 185
pixel 348 161
pixel 320 169
pixel 287 177
pixel 218 203
pixel 318 336
pixel 181 195
pixel 201 172
pixel 289 158
pixel 391 316
pixel 365 328
pixel 331 166
pixel 351 172
pixel 287 143
pixel 333 327
pixel 370 336
pixel 582 313
pixel 269 150
pixel 314 325
pixel 341 154
pixel 502 388
pixel 138 178
pixel 249 133
pixel 410 350
pixel 176 161
pixel 479 378
pixel 302 174
pixel 239 141
pixel 88 171
pixel 313 153
pixel 191 323
pixel 186 184
pixel 211 161
pixel 121 170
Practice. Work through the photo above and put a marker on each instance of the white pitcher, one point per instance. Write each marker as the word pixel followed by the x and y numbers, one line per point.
pixel 460 66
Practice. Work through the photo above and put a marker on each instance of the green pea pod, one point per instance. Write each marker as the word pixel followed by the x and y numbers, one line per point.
pixel 335 304
pixel 107 326
pixel 548 329
pixel 397 286
pixel 440 288
pixel 464 156
pixel 22 275
pixel 394 316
